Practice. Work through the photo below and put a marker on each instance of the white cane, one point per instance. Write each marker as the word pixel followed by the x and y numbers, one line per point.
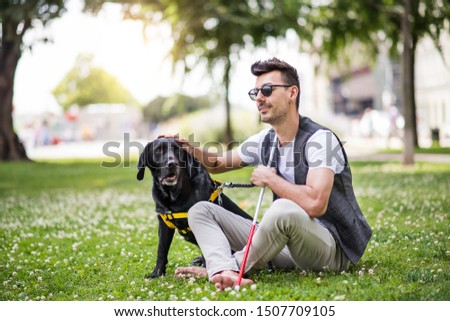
pixel 255 219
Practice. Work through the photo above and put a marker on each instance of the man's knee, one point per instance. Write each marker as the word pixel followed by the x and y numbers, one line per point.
pixel 198 211
pixel 285 211
pixel 200 208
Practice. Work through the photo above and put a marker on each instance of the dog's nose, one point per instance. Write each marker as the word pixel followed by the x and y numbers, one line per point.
pixel 171 163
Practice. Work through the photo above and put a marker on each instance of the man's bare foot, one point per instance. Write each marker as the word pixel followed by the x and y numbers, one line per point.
pixel 228 279
pixel 190 271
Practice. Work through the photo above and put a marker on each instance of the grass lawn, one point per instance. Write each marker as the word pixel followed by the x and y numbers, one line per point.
pixel 79 231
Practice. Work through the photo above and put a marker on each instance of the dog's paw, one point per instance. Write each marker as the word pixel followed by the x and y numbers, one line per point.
pixel 157 272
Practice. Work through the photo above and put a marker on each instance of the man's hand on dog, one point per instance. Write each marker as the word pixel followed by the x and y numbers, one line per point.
pixel 181 140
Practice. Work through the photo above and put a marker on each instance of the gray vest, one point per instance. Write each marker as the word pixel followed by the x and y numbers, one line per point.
pixel 343 217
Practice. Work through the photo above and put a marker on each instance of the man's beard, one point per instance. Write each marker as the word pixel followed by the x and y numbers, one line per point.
pixel 270 117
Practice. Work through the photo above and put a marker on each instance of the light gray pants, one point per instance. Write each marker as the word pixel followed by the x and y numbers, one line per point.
pixel 287 236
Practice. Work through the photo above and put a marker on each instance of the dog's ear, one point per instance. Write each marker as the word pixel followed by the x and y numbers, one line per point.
pixel 142 163
pixel 192 165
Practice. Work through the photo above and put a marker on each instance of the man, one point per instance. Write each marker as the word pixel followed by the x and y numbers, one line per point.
pixel 314 223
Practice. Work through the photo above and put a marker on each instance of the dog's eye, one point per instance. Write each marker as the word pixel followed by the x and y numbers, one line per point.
pixel 157 151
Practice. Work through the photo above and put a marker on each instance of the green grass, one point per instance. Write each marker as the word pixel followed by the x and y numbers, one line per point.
pixel 79 231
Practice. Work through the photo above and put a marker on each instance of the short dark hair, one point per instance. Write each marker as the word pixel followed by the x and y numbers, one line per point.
pixel 289 74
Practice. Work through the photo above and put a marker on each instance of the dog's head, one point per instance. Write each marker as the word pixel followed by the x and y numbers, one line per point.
pixel 167 161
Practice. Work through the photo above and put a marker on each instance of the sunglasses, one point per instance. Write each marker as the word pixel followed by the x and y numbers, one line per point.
pixel 266 90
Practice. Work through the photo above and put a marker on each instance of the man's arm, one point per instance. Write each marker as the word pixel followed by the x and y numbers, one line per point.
pixel 218 163
pixel 312 197
pixel 215 163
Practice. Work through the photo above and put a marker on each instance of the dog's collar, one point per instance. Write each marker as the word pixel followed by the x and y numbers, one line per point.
pixel 217 191
pixel 169 218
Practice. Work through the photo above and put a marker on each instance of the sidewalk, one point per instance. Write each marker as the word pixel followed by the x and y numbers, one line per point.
pixel 431 158
pixel 362 149
pixel 358 149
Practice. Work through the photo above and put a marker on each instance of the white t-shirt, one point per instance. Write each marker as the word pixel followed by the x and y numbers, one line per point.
pixel 322 151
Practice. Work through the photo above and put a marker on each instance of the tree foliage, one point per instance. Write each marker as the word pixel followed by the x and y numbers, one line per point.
pixel 340 23
pixel 86 84
pixel 215 31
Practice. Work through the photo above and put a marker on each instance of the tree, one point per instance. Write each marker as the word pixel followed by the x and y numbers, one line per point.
pixel 85 84
pixel 17 17
pixel 401 24
pixel 215 31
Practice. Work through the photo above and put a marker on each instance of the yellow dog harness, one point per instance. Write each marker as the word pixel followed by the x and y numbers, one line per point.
pixel 170 218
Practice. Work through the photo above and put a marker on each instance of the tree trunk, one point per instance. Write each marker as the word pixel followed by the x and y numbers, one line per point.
pixel 407 85
pixel 11 149
pixel 413 89
pixel 228 135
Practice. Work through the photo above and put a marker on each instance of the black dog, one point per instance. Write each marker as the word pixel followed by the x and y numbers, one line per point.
pixel 179 181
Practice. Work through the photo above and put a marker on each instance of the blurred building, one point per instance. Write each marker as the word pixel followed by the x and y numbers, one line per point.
pixel 100 122
pixel 108 121
pixel 433 86
pixel 375 92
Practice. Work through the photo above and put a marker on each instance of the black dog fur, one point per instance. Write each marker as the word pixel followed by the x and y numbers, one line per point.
pixel 179 181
